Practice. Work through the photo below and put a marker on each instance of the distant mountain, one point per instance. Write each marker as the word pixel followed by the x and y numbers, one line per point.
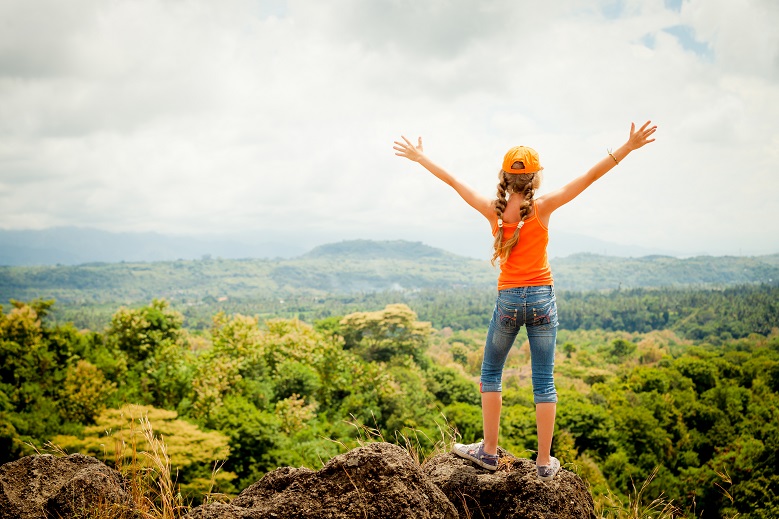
pixel 357 267
pixel 595 272
pixel 338 269
pixel 369 249
pixel 74 245
pixel 563 244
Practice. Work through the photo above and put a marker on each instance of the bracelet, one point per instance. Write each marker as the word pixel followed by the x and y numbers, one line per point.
pixel 612 156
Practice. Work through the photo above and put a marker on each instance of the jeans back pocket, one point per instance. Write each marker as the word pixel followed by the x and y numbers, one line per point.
pixel 543 313
pixel 507 314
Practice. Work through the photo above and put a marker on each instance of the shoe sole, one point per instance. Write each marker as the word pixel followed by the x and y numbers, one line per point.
pixel 487 466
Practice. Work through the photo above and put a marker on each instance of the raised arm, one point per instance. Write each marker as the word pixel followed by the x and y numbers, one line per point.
pixel 638 138
pixel 416 153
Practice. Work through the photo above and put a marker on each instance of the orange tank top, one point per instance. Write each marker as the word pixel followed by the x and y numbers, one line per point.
pixel 527 264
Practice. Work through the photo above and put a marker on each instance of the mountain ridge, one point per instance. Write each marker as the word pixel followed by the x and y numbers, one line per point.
pixel 396 249
pixel 342 268
pixel 80 245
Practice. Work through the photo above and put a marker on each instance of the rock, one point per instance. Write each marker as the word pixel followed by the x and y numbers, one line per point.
pixel 513 490
pixel 378 480
pixel 39 487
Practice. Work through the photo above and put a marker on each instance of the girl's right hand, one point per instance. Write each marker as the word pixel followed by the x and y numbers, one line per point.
pixel 408 150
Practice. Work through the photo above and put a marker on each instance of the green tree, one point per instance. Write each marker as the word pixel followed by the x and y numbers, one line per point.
pixel 620 348
pixel 84 393
pixel 157 351
pixel 139 333
pixel 380 336
pixel 449 386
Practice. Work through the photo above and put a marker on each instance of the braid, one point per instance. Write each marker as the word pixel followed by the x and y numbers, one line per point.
pixel 518 183
pixel 527 194
pixel 500 206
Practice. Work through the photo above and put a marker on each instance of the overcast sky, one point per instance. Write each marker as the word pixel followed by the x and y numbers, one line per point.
pixel 277 116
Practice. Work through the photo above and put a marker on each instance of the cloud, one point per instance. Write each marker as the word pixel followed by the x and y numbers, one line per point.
pixel 742 35
pixel 190 116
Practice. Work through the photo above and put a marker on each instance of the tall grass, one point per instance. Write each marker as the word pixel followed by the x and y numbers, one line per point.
pixel 609 506
pixel 418 443
pixel 152 487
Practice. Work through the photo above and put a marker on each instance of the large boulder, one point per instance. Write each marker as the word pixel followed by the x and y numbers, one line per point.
pixel 513 490
pixel 377 480
pixel 39 487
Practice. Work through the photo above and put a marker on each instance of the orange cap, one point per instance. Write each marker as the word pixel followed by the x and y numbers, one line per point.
pixel 521 160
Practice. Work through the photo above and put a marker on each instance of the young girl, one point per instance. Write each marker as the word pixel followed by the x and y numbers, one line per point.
pixel 526 295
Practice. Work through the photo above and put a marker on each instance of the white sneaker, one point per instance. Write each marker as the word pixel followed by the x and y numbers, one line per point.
pixel 475 453
pixel 548 472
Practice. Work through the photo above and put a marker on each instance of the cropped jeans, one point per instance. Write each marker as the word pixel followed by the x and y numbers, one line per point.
pixel 536 308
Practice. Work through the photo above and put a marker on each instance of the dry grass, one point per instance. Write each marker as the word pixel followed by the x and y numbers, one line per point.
pixel 419 445
pixel 610 506
pixel 152 486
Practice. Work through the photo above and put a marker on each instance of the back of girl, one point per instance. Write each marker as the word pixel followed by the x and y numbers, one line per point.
pixel 519 223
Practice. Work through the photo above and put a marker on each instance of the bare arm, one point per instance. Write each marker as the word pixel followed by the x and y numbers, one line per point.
pixel 552 201
pixel 471 197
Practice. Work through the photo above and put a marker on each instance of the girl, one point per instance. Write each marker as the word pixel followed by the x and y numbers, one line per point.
pixel 526 295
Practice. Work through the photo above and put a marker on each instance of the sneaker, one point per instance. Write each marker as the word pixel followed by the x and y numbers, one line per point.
pixel 547 472
pixel 475 453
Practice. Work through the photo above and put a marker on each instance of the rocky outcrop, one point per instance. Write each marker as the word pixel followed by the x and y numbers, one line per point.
pixel 378 480
pixel 38 487
pixel 513 490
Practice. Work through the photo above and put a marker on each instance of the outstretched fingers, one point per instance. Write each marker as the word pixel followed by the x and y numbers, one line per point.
pixel 646 132
pixel 402 147
pixel 641 137
pixel 407 149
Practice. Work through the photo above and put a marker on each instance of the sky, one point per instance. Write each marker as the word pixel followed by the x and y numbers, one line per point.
pixel 277 117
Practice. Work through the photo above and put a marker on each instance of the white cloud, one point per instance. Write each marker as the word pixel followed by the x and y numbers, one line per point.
pixel 194 117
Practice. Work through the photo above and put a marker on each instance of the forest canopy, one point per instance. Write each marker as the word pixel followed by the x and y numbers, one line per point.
pixel 683 382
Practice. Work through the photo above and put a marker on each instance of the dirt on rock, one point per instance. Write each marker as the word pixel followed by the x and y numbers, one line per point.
pixel 38 487
pixel 377 480
pixel 512 491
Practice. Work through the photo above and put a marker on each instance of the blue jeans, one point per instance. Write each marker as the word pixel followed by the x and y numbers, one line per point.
pixel 536 308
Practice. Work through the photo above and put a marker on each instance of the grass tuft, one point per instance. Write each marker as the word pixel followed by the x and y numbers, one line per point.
pixel 609 506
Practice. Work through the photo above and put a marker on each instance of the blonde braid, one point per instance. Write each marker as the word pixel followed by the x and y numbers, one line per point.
pixel 519 183
pixel 527 195
pixel 500 206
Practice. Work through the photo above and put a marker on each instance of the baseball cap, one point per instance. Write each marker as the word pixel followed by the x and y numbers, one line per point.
pixel 521 160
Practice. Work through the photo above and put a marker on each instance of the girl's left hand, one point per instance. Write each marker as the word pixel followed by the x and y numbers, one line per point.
pixel 408 150
pixel 640 137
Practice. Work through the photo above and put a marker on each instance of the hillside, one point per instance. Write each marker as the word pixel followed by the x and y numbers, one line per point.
pixel 343 268
pixel 594 272
pixel 356 267
pixel 79 245
pixel 371 250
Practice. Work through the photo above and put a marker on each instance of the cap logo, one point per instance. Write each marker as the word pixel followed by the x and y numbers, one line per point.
pixel 518 165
